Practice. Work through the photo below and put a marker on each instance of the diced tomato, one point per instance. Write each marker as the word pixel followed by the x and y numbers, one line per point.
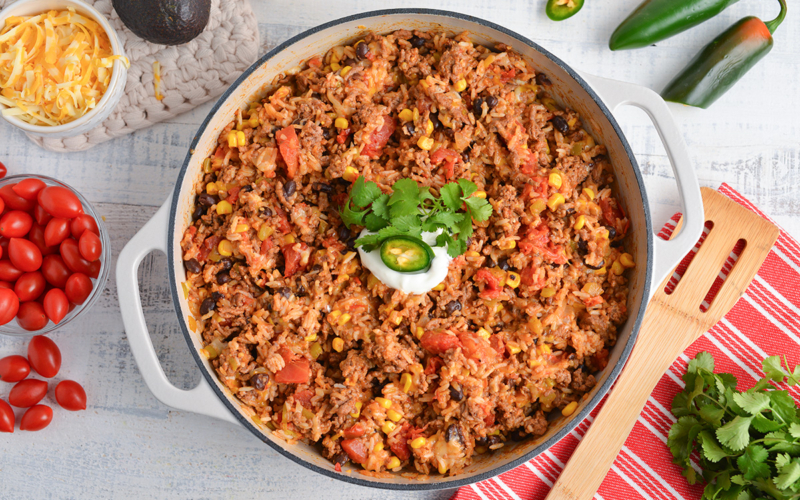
pixel 295 371
pixel 497 344
pixel 593 301
pixel 538 239
pixel 355 449
pixel 492 290
pixel 531 278
pixel 476 347
pixel 355 430
pixel 266 245
pixel 507 75
pixel 289 146
pixel 439 342
pixel 599 360
pixel 341 137
pixel 283 225
pixel 378 138
pixel 233 195
pixel 398 443
pixel 449 157
pixel 434 363
pixel 219 153
pixel 613 215
pixel 537 189
pixel 304 397
pixel 333 243
pixel 208 245
pixel 315 62
pixel 488 420
pixel 295 256
pixel 337 467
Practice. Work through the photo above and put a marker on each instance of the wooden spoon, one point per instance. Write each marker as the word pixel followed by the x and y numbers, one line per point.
pixel 671 323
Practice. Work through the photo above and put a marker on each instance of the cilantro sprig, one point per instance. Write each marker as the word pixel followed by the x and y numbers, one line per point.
pixel 748 442
pixel 412 210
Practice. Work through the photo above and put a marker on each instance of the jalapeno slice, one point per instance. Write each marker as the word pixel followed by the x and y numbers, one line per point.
pixel 558 10
pixel 405 254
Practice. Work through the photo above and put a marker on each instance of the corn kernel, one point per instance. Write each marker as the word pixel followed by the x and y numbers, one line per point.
pixel 212 188
pixel 627 260
pixel 394 463
pixel 480 194
pixel 343 319
pixel 601 271
pixel 394 416
pixel 512 279
pixel 508 245
pixel 439 287
pixel 289 239
pixel 484 334
pixel 336 66
pixel 224 207
pixel 589 193
pixel 341 123
pixel 415 114
pixel 406 115
pixel 350 174
pixel 547 292
pixel 569 409
pixel 338 344
pixel 429 128
pixel 580 222
pixel 460 85
pixel 265 231
pixel 555 201
pixel 407 381
pixel 232 139
pixel 312 337
pixel 356 413
pixel 425 143
pixel 419 442
pixel 395 318
pixel 472 253
pixel 545 350
pixel 378 447
pixel 315 350
pixel 442 469
pixel 388 427
pixel 386 403
pixel 514 349
pixel 538 206
pixel 335 314
pixel 345 70
pixel 241 139
pixel 207 165
pixel 420 332
pixel 240 228
pixel 555 180
pixel 225 248
pixel 254 121
pixel 617 268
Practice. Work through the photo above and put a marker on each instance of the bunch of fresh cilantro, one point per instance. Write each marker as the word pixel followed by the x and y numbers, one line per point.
pixel 748 442
pixel 412 210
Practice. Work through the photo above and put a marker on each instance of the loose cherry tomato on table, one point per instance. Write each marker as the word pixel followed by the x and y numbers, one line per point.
pixel 8 271
pixel 15 224
pixel 6 415
pixel 56 305
pixel 9 305
pixel 81 223
pixel 54 269
pixel 57 230
pixel 14 368
pixel 30 286
pixel 3 170
pixel 31 316
pixel 70 395
pixel 36 418
pixel 44 356
pixel 78 288
pixel 15 201
pixel 36 235
pixel 24 254
pixel 41 216
pixel 59 201
pixel 90 246
pixel 72 257
pixel 27 393
pixel 29 188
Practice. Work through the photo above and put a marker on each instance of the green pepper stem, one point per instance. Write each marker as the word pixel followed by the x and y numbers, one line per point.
pixel 773 25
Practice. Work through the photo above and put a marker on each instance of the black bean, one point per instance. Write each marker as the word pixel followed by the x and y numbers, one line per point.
pixel 349 61
pixel 410 129
pixel 265 212
pixel 285 292
pixel 317 268
pixel 301 290
pixel 560 124
pixel 477 107
pixel 247 188
pixel 326 133
pixel 322 187
pixel 208 305
pixel 226 264
pixel 343 233
pixel 493 440
pixel 435 120
pixel 289 188
pixel 192 266
pixel 583 247
pixel 612 233
pixel 465 156
pixel 616 243
pixel 198 212
pixel 452 307
pixel 518 435
pixel 599 266
pixel 341 459
pixel 491 101
pixel 490 264
pixel 260 381
pixel 223 277
pixel 316 95
pixel 481 441
pixel 206 199
pixel 342 182
pixel 542 79
pixel 456 394
pixel 453 433
pixel 362 49
pixel 416 41
pixel 216 296
pixel 503 263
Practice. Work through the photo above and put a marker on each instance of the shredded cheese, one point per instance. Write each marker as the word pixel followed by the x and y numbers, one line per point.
pixel 157 80
pixel 54 67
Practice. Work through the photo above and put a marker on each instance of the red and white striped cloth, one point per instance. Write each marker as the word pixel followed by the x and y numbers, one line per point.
pixel 765 322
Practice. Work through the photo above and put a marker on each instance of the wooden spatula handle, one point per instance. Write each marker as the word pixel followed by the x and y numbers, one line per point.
pixel 597 450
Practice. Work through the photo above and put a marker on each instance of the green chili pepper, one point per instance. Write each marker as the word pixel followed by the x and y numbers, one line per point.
pixel 405 254
pixel 656 20
pixel 723 62
pixel 558 10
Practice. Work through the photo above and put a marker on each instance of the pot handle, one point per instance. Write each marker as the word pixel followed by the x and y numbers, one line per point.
pixel 667 253
pixel 201 399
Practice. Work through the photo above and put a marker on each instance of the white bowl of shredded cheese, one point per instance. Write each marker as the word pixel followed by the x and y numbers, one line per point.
pixel 62 67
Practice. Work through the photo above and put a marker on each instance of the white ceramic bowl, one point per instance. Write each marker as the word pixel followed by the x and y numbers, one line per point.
pixel 116 87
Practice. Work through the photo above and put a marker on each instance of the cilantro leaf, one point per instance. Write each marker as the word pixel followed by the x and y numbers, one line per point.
pixel 380 207
pixel 735 433
pixel 763 424
pixel 783 405
pixel 451 196
pixel 375 223
pixel 794 430
pixel 404 189
pixel 773 369
pixel 702 360
pixel 752 403
pixel 782 460
pixel 712 413
pixel 448 219
pixel 711 449
pixel 468 188
pixel 752 462
pixel 788 475
pixel 364 193
pixel 456 247
pixel 351 217
pixel 479 208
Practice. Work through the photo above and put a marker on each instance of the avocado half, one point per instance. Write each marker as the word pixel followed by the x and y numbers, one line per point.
pixel 167 22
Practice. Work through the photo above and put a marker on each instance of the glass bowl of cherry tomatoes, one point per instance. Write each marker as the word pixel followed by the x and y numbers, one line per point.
pixel 55 255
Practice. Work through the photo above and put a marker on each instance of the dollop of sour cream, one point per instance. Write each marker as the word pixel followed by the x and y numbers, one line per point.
pixel 419 282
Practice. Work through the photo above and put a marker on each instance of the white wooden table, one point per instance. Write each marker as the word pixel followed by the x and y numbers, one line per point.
pixel 129 445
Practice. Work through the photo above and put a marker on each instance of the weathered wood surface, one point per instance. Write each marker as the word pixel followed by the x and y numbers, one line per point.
pixel 129 445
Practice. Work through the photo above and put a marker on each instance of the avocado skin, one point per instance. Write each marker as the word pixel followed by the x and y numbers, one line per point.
pixel 167 22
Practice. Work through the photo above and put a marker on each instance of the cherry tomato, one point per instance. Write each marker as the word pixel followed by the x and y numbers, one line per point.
pixel 9 272
pixel 56 305
pixel 24 254
pixel 36 235
pixel 57 230
pixel 3 246
pixel 14 368
pixel 6 285
pixel 3 170
pixel 94 269
pixel 15 201
pixel 36 418
pixel 2 206
pixel 78 288
pixel 41 216
pixel 9 305
pixel 29 188
pixel 70 395
pixel 15 224
pixel 72 257
pixel 59 201
pixel 81 223
pixel 44 356
pixel 55 271
pixel 27 393
pixel 30 286
pixel 6 415
pixel 31 316
pixel 90 246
